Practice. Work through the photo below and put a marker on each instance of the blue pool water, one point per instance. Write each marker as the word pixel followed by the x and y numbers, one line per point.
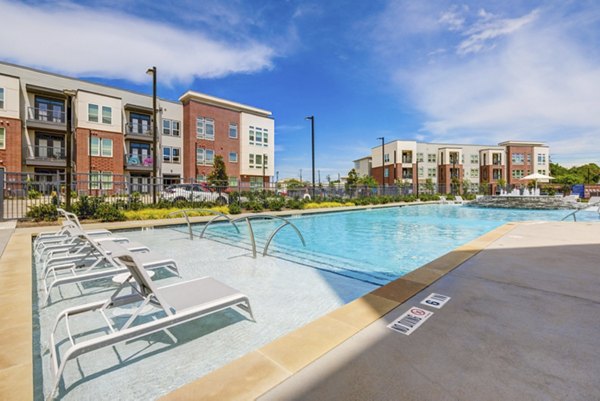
pixel 379 245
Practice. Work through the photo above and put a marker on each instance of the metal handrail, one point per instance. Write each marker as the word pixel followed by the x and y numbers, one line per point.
pixel 574 212
pixel 268 216
pixel 187 219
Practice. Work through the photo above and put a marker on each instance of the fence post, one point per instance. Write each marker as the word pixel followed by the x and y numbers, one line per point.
pixel 1 195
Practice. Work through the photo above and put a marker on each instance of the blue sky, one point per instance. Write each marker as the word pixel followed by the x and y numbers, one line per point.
pixel 439 71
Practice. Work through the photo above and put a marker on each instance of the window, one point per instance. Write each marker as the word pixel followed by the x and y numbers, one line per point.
pixel 106 115
pixel 233 131
pixel 421 171
pixel 2 138
pixel 93 113
pixel 209 156
pixel 171 154
pixel 541 159
pixel 101 180
pixel 431 157
pixel 176 155
pixel 167 154
pixel 170 127
pixel 386 158
pixel 542 172
pixel 102 147
pixel 210 129
pixel 474 159
pixel 431 172
pixel 474 172
pixel 233 181
pixel 199 155
pixel 233 158
pixel 517 173
pixel 205 128
pixel 259 161
pixel 528 158
pixel 201 178
pixel 386 172
pixel 251 160
pixel 256 182
pixel 1 98
pixel 420 158
pixel 266 160
pixel 518 158
pixel 258 136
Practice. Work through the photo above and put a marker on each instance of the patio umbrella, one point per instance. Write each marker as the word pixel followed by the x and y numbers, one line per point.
pixel 536 177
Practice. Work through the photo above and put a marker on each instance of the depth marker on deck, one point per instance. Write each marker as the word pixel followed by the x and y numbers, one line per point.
pixel 436 300
pixel 410 321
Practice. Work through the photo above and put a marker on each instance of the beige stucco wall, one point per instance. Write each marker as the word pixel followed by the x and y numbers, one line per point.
pixel 82 101
pixel 12 106
pixel 247 120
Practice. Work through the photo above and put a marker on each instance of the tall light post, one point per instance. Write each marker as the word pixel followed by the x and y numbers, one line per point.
pixel 382 162
pixel 152 71
pixel 70 94
pixel 312 125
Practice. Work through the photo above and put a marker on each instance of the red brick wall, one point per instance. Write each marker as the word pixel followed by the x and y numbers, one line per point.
pixel 11 156
pixel 222 144
pixel 114 164
pixel 526 150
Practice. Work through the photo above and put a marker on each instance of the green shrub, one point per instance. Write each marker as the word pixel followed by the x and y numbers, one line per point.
pixel 44 212
pixel 33 194
pixel 294 204
pixel 256 205
pixel 87 206
pixel 109 212
pixel 275 204
pixel 235 208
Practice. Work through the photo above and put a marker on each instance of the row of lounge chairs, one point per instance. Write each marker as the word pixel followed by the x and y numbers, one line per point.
pixel 73 255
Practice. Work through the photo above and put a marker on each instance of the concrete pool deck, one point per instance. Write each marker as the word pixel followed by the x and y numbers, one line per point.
pixel 312 362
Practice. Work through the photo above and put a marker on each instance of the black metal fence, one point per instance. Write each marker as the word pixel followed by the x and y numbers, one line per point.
pixel 22 191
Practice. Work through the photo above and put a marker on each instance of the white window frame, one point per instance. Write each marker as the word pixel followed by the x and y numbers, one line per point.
pixel 232 125
pixel 212 158
pixel 251 135
pixel 200 156
pixel 171 130
pixel 100 152
pixel 474 172
pixel 2 100
pixel 386 157
pixel 234 159
pixel 420 158
pixel 176 160
pixel 209 122
pixel 200 127
pixel 474 159
pixel 431 157
pixel 251 160
pixel 541 159
pixel 2 138
pixel 169 156
pixel 90 105
pixel 233 181
pixel 98 180
pixel 109 119
pixel 518 160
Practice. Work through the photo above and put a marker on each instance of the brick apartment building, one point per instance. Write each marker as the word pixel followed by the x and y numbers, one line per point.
pixel 415 162
pixel 113 133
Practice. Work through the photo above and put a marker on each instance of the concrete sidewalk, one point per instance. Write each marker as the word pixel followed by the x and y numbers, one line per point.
pixel 7 228
pixel 523 323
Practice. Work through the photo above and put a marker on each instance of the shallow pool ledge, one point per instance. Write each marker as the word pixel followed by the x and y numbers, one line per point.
pixel 257 372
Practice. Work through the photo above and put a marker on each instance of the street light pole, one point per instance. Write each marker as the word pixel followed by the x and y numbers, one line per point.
pixel 69 145
pixel 152 71
pixel 312 125
pixel 382 162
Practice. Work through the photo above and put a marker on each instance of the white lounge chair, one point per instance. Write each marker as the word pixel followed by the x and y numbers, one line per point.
pixel 180 303
pixel 458 200
pixel 70 220
pixel 99 262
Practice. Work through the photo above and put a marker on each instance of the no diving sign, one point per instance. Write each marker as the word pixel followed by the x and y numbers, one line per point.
pixel 435 300
pixel 410 321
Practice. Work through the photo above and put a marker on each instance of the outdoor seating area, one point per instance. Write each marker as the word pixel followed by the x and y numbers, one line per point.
pixel 73 256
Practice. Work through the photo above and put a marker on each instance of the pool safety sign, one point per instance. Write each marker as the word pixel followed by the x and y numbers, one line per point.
pixel 410 321
pixel 435 300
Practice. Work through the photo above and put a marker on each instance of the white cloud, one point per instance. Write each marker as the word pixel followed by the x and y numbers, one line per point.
pixel 454 18
pixel 488 28
pixel 82 41
pixel 538 80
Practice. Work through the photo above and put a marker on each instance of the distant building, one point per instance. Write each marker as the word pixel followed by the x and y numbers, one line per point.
pixel 363 166
pixel 415 162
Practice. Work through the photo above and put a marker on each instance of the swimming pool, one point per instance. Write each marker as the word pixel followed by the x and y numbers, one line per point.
pixel 347 255
pixel 378 245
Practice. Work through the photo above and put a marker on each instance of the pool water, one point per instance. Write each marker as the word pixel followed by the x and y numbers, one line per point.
pixel 378 245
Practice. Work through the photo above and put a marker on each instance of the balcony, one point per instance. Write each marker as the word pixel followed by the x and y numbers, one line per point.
pixel 46 118
pixel 139 132
pixel 138 162
pixel 47 156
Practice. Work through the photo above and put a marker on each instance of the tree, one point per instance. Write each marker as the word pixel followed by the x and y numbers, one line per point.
pixel 466 186
pixel 293 183
pixel 218 175
pixel 429 186
pixel 368 181
pixel 352 178
pixel 501 183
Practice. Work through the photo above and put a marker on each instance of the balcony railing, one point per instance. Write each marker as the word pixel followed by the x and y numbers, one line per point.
pixel 407 160
pixel 138 129
pixel 46 154
pixel 46 115
pixel 138 160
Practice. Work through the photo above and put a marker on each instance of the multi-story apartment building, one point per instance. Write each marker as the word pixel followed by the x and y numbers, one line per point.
pixel 241 134
pixel 416 162
pixel 113 133
pixel 362 166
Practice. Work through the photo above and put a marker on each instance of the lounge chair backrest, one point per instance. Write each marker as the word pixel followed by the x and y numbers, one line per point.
pixel 139 274
pixel 594 200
